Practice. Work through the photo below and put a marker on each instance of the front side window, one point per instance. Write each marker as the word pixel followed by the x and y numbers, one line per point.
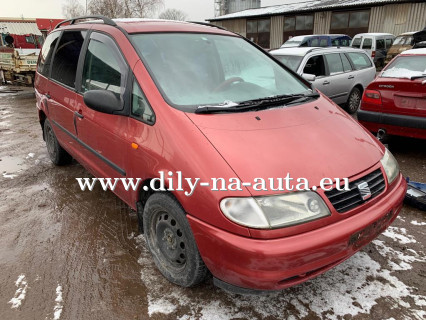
pixel 195 70
pixel 104 67
pixel 359 60
pixel 66 57
pixel 334 62
pixel 46 54
pixel 315 66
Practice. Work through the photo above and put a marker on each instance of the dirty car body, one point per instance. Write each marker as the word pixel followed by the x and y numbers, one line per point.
pixel 134 98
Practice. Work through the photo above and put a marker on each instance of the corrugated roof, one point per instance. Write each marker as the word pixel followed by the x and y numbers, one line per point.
pixel 19 28
pixel 314 5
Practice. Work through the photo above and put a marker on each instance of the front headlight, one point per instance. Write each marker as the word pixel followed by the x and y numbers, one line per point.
pixel 390 165
pixel 277 211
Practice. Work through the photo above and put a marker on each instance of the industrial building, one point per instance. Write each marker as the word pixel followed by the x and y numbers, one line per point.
pixel 271 26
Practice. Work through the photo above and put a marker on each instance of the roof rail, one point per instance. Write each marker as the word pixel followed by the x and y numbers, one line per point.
pixel 208 25
pixel 106 20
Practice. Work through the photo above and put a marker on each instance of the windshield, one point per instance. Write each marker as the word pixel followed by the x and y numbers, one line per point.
pixel 356 43
pixel 404 40
pixel 406 67
pixel 292 62
pixel 292 43
pixel 194 70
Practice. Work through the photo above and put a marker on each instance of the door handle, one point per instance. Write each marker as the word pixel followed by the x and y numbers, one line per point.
pixel 351 76
pixel 326 82
pixel 79 114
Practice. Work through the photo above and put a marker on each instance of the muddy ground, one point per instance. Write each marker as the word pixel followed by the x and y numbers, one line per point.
pixel 68 254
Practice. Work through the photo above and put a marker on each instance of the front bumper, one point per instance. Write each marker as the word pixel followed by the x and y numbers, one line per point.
pixel 247 263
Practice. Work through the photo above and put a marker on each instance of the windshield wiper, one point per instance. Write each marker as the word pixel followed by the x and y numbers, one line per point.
pixel 258 104
pixel 418 77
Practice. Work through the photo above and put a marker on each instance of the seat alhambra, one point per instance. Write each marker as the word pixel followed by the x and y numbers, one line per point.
pixel 176 105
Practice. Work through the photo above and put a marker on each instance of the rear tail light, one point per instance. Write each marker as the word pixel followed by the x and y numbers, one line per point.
pixel 373 54
pixel 372 97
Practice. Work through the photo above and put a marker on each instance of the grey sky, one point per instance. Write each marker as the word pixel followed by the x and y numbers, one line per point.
pixel 195 9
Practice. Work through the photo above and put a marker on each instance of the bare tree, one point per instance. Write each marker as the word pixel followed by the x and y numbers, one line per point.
pixel 72 9
pixel 173 14
pixel 125 8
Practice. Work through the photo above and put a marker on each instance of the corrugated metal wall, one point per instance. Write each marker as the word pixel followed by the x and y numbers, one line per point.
pixel 322 22
pixel 236 25
pixel 398 18
pixel 277 31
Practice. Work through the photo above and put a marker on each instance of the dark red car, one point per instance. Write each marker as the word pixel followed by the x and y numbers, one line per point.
pixel 135 99
pixel 395 102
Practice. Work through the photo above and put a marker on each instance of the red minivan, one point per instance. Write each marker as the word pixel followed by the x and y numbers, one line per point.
pixel 144 99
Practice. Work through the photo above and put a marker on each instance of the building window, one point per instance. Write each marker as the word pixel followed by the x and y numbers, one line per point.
pixel 350 23
pixel 298 25
pixel 259 31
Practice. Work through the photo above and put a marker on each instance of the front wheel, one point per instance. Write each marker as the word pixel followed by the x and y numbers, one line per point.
pixel 354 100
pixel 171 242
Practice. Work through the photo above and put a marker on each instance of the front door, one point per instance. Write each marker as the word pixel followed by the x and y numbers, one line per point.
pixel 103 136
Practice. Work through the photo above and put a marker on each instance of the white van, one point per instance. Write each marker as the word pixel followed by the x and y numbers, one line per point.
pixel 375 44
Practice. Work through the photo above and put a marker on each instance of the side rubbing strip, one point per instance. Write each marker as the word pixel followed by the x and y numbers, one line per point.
pixel 97 154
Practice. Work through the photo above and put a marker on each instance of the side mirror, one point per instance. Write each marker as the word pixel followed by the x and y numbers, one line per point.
pixel 103 101
pixel 309 77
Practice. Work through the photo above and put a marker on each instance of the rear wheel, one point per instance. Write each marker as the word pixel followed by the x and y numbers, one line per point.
pixel 171 242
pixel 57 154
pixel 354 100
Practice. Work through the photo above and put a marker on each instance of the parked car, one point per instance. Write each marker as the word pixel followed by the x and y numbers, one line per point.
pixel 135 98
pixel 375 44
pixel 319 40
pixel 402 42
pixel 395 103
pixel 420 39
pixel 339 73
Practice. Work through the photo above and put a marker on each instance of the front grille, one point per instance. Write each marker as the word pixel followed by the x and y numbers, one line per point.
pixel 344 200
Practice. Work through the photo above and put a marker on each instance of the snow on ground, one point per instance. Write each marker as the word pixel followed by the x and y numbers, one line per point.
pixel 57 310
pixel 20 293
pixel 416 223
pixel 351 288
pixel 399 234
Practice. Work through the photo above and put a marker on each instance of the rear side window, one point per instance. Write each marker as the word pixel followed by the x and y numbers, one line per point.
pixel 368 42
pixel 104 67
pixel 334 62
pixel 323 43
pixel 65 61
pixel 316 66
pixel 389 42
pixel 359 60
pixel 46 54
pixel 346 64
pixel 380 44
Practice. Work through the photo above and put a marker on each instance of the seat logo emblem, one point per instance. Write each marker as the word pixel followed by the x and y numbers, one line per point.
pixel 364 190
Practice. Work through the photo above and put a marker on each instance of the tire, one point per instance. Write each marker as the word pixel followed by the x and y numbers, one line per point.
pixel 57 154
pixel 171 242
pixel 354 101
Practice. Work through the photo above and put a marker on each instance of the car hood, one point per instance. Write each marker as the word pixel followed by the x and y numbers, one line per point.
pixel 314 141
